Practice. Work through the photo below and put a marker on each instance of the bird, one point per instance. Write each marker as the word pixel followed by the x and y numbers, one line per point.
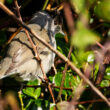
pixel 20 61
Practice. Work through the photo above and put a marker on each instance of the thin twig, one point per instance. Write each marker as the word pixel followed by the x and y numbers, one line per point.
pixel 49 5
pixel 50 89
pixel 17 9
pixel 90 101
pixel 100 45
pixel 81 87
pixel 60 7
pixel 36 52
pixel 34 48
pixel 69 18
pixel 73 67
pixel 30 40
pixel 35 86
pixel 64 75
pixel 70 23
pixel 45 4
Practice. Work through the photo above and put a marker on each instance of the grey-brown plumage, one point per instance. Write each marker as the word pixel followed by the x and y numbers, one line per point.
pixel 20 62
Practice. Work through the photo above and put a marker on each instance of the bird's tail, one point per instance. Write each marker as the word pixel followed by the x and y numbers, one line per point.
pixel 4 66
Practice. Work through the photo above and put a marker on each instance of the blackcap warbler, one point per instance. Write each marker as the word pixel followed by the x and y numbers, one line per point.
pixel 20 61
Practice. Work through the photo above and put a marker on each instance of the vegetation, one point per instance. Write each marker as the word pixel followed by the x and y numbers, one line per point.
pixel 86 44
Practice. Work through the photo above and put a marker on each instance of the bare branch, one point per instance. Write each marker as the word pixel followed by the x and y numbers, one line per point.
pixel 73 67
pixel 34 48
pixel 70 23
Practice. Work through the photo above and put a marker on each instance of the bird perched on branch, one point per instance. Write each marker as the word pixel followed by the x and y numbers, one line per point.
pixel 20 60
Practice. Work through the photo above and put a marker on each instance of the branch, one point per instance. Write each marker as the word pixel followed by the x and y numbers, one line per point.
pixel 70 24
pixel 89 101
pixel 73 67
pixel 34 49
pixel 30 40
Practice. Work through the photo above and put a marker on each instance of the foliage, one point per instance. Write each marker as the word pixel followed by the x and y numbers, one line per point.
pixel 91 26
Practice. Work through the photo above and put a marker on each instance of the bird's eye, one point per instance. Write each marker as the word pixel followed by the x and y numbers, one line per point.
pixel 58 20
pixel 55 22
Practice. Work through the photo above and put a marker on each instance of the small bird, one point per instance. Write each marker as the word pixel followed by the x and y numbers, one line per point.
pixel 20 62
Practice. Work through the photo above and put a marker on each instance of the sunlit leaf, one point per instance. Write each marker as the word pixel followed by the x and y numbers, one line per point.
pixel 74 59
pixel 84 37
pixel 102 10
pixel 79 5
pixel 107 75
pixel 58 78
pixel 36 82
pixel 32 91
pixel 52 106
pixel 94 75
pixel 90 57
pixel 105 83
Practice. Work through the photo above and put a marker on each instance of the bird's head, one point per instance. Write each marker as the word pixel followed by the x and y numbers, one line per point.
pixel 53 24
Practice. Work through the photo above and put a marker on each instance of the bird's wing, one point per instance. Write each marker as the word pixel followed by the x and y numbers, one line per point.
pixel 20 51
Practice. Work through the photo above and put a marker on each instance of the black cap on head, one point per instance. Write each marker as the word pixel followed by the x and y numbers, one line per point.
pixel 51 23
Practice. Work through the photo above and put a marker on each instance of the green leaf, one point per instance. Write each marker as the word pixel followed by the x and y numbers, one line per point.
pixel 83 37
pixel 61 44
pixel 29 103
pixel 90 57
pixel 50 78
pixel 79 5
pixel 9 1
pixel 58 35
pixel 58 78
pixel 34 83
pixel 74 59
pixel 2 37
pixel 57 81
pixel 75 80
pixel 82 57
pixel 71 80
pixel 102 10
pixel 37 93
pixel 31 91
pixel 42 104
pixel 105 83
pixel 107 75
pixel 94 75
pixel 81 107
pixel 52 106
pixel 38 102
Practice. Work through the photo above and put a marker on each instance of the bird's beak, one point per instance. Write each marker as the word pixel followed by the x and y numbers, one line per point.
pixel 61 32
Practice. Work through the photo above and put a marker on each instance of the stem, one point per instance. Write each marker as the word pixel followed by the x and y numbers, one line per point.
pixel 45 4
pixel 73 67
